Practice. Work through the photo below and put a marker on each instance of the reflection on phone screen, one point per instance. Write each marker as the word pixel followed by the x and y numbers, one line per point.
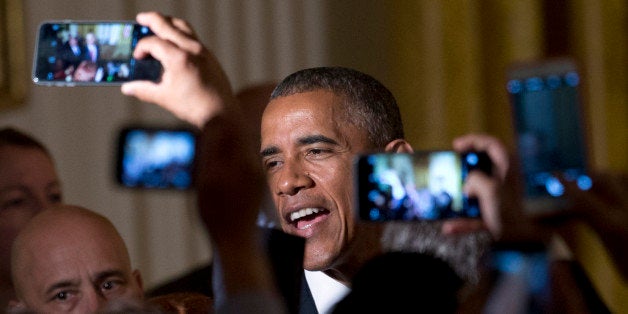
pixel 414 187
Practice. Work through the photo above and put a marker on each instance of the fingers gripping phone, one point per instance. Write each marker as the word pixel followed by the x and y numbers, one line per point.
pixel 425 185
pixel 549 131
pixel 70 53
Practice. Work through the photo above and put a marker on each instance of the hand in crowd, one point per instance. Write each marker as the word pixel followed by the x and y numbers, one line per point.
pixel 193 85
pixel 228 177
pixel 487 188
pixel 605 208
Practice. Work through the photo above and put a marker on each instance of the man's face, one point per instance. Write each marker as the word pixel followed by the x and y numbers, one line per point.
pixel 90 39
pixel 66 273
pixel 28 184
pixel 307 152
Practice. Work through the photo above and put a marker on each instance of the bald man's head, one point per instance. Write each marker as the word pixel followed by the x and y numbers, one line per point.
pixel 68 258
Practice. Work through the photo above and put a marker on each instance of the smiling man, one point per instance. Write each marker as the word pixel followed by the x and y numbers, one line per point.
pixel 317 121
pixel 71 260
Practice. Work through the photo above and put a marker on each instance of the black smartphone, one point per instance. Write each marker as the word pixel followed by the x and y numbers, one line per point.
pixel 70 53
pixel 155 157
pixel 548 124
pixel 425 185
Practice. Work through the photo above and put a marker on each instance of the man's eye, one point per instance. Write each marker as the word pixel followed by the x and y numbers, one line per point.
pixel 55 198
pixel 15 203
pixel 61 296
pixel 271 164
pixel 108 285
pixel 317 151
pixel 111 286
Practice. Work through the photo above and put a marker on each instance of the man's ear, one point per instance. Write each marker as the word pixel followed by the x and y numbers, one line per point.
pixel 138 279
pixel 398 146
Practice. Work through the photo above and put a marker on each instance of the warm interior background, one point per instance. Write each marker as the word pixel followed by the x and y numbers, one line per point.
pixel 444 60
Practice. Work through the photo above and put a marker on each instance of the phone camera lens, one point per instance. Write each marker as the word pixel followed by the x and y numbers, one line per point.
pixel 472 159
pixel 554 187
pixel 584 182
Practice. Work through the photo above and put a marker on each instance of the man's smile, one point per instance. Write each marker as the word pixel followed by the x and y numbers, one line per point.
pixel 303 219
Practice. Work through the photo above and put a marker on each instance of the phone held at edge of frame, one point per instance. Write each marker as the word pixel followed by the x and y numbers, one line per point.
pixel 91 53
pixel 549 132
pixel 425 185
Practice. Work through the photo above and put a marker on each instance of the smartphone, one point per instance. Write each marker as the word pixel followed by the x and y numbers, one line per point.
pixel 425 185
pixel 155 157
pixel 548 124
pixel 70 53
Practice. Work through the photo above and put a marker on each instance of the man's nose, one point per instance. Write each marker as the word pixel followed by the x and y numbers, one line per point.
pixel 293 177
pixel 93 301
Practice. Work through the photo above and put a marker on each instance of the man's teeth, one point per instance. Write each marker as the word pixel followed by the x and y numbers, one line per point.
pixel 302 213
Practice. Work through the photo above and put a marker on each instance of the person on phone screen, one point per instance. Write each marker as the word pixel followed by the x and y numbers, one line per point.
pixel 72 53
pixel 254 98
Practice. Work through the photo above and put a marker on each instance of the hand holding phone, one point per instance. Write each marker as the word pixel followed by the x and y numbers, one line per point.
pixel 425 185
pixel 70 53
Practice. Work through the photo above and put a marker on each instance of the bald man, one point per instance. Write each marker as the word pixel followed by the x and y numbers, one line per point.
pixel 68 259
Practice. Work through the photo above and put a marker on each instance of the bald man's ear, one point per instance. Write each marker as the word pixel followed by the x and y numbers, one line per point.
pixel 398 146
pixel 137 276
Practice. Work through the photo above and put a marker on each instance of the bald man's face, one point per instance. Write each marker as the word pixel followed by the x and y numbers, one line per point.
pixel 56 271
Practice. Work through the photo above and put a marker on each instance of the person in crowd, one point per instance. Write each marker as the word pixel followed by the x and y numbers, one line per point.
pixel 253 99
pixel 70 259
pixel 315 123
pixel 605 208
pixel 227 162
pixel 28 184
pixel 403 282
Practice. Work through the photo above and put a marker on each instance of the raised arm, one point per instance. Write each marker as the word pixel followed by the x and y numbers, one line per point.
pixel 228 176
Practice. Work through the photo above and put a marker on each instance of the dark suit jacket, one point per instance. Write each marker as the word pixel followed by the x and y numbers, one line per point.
pixel 306 302
pixel 286 257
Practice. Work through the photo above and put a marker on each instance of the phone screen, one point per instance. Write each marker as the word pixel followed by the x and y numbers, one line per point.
pixel 155 158
pixel 420 186
pixel 548 123
pixel 91 53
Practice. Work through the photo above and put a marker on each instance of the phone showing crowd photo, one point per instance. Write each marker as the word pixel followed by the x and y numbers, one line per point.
pixel 548 123
pixel 70 53
pixel 155 157
pixel 425 185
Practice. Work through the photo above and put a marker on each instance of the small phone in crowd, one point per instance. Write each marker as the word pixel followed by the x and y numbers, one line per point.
pixel 88 53
pixel 425 185
pixel 548 124
pixel 155 157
